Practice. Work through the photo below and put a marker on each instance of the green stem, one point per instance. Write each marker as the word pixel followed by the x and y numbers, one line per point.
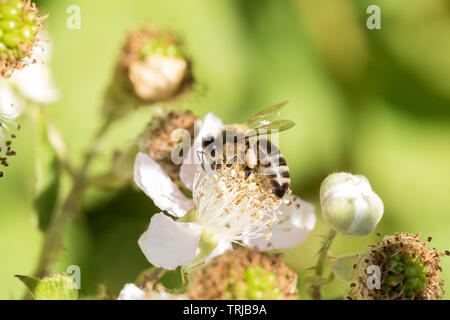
pixel 53 237
pixel 323 254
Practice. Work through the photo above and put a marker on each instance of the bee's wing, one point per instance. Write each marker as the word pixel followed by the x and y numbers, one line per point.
pixel 273 127
pixel 265 117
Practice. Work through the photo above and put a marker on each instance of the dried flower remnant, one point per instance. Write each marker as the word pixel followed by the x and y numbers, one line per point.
pixel 152 68
pixel 158 139
pixel 19 26
pixel 409 270
pixel 245 274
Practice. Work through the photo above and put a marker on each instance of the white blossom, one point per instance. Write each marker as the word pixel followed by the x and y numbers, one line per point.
pixel 226 209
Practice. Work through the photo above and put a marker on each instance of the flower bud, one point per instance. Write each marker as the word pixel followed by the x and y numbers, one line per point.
pixel 245 274
pixel 349 205
pixel 19 26
pixel 152 68
pixel 400 267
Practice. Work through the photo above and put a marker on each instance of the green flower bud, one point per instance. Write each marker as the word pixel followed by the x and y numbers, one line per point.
pixel 349 205
pixel 19 25
pixel 408 270
pixel 245 274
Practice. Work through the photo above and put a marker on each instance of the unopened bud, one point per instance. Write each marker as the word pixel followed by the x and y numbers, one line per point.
pixel 152 68
pixel 349 205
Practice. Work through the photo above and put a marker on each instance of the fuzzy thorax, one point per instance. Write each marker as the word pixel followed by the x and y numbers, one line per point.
pixel 232 207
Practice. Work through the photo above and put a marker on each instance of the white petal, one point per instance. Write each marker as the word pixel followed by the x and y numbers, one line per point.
pixel 220 249
pixel 131 292
pixel 152 179
pixel 9 102
pixel 169 244
pixel 34 81
pixel 211 127
pixel 291 228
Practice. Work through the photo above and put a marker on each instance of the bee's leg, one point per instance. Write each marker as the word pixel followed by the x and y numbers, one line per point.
pixel 201 157
pixel 205 160
pixel 248 171
pixel 230 162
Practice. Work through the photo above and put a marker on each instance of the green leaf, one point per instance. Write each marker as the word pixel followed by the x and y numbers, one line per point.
pixel 58 287
pixel 48 175
pixel 344 267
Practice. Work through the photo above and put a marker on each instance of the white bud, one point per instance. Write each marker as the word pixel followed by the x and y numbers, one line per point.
pixel 157 77
pixel 349 205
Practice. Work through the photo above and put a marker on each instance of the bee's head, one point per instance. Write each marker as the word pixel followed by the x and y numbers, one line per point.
pixel 209 145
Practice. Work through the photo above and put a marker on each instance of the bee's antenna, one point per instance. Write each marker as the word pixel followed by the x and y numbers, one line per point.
pixel 201 158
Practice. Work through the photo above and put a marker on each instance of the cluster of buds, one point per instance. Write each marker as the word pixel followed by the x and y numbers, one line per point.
pixel 19 26
pixel 152 68
pixel 407 270
pixel 245 274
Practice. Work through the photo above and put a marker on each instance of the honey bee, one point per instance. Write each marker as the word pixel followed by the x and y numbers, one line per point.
pixel 245 148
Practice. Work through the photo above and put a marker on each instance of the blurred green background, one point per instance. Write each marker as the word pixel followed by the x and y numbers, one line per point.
pixel 372 102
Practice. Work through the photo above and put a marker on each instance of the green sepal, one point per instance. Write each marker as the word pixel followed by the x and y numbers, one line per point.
pixel 57 287
pixel 344 268
pixel 207 244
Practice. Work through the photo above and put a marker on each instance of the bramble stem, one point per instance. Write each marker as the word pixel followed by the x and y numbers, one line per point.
pixel 323 253
pixel 70 207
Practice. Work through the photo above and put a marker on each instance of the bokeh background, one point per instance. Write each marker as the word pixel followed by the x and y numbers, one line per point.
pixel 373 102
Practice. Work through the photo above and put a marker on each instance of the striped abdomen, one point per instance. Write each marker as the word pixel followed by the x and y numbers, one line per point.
pixel 273 168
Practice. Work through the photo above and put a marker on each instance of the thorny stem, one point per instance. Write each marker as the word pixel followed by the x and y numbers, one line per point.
pixel 53 237
pixel 150 277
pixel 323 254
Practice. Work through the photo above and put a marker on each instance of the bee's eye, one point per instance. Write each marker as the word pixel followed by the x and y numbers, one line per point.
pixel 206 142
